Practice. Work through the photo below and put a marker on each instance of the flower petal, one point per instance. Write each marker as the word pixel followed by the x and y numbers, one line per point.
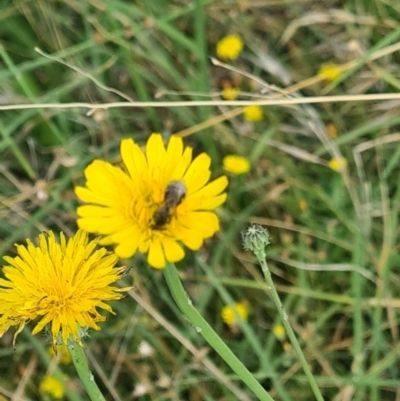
pixel 182 164
pixel 192 239
pixel 127 240
pixel 155 151
pixel 133 158
pixel 198 173
pixel 174 153
pixel 214 188
pixel 156 257
pixel 105 184
pixel 205 223
pixel 213 203
pixel 97 211
pixel 172 250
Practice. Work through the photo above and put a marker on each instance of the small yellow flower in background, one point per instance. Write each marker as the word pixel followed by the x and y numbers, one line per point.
pixel 253 113
pixel 229 47
pixel 163 200
pixel 330 72
pixel 236 164
pixel 230 93
pixel 228 313
pixel 332 130
pixel 60 283
pixel 279 332
pixel 52 386
pixel 337 164
pixel 62 352
pixel 303 204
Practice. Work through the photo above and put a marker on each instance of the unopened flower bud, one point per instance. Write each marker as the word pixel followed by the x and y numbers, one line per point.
pixel 255 239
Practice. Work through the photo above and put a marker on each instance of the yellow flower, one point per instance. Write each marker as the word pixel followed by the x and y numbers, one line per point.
pixel 337 164
pixel 330 72
pixel 163 200
pixel 279 332
pixel 62 284
pixel 253 113
pixel 230 93
pixel 52 386
pixel 228 314
pixel 303 204
pixel 229 47
pixel 235 164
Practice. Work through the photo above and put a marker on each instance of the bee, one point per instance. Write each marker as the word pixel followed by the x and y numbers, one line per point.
pixel 173 196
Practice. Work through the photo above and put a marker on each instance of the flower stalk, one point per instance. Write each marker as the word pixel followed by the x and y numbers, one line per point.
pixel 201 325
pixel 79 359
pixel 255 239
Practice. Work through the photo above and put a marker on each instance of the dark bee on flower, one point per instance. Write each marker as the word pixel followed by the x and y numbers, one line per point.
pixel 173 196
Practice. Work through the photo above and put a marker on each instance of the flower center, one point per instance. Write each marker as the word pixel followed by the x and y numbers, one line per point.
pixel 174 194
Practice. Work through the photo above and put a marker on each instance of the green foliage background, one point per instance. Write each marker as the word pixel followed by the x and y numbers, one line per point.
pixel 335 264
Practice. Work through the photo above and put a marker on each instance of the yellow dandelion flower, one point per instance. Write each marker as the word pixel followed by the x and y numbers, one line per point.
pixel 338 163
pixel 164 200
pixel 330 72
pixel 230 93
pixel 303 204
pixel 236 164
pixel 253 113
pixel 229 47
pixel 228 314
pixel 52 386
pixel 60 283
pixel 279 332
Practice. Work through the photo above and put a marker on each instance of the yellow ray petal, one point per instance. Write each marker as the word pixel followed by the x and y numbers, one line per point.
pixel 156 257
pixel 131 234
pixel 172 250
pixel 127 247
pixel 182 164
pixel 155 151
pixel 213 203
pixel 103 225
pixel 197 170
pixel 133 158
pixel 214 188
pixel 205 223
pixel 87 195
pixel 97 211
pixel 192 239
pixel 201 179
pixel 103 177
pixel 174 153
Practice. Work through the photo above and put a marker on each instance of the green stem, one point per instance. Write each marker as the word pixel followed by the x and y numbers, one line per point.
pixel 79 358
pixel 288 327
pixel 185 305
